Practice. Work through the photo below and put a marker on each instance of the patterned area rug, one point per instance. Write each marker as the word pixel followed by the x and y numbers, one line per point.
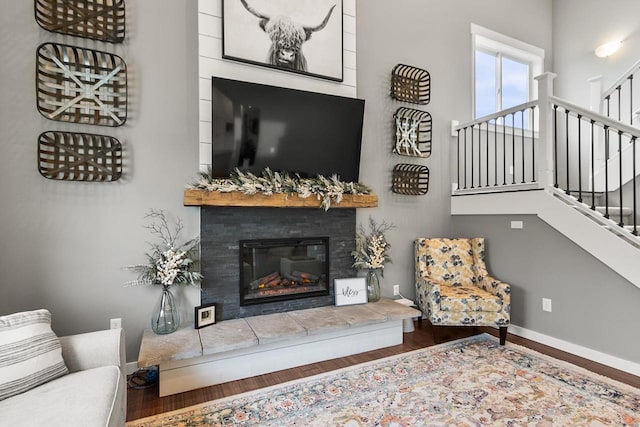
pixel 469 382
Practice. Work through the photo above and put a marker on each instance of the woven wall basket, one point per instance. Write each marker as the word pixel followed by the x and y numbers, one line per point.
pixel 413 132
pixel 410 179
pixel 70 156
pixel 80 85
pixel 410 84
pixel 102 20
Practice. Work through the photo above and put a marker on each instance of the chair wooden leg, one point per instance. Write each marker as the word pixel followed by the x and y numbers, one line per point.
pixel 503 335
pixel 437 333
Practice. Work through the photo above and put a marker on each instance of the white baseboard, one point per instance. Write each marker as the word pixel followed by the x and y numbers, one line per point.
pixel 578 350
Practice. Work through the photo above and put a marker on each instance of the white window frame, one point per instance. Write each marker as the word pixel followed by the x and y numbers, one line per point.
pixel 501 45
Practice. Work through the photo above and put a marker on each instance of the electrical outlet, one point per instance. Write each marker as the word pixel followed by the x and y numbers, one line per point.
pixel 116 323
pixel 396 289
pixel 546 304
pixel 517 225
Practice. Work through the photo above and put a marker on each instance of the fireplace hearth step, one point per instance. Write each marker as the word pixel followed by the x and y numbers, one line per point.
pixel 233 349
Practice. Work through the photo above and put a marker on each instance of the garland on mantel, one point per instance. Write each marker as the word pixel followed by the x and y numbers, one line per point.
pixel 328 190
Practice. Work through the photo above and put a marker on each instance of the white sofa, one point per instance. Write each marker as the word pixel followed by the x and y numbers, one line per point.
pixel 92 394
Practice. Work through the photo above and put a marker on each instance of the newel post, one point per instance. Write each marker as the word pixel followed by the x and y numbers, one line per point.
pixel 545 130
pixel 596 105
pixel 595 94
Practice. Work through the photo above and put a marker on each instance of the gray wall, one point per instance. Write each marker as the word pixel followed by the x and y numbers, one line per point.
pixel 64 243
pixel 592 305
pixel 433 35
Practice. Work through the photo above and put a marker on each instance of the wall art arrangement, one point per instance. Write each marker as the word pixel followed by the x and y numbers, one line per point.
pixel 102 20
pixel 73 156
pixel 300 36
pixel 79 85
pixel 413 129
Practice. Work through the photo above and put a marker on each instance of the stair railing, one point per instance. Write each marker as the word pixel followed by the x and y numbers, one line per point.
pixel 498 150
pixel 617 102
pixel 577 131
pixel 561 155
pixel 507 151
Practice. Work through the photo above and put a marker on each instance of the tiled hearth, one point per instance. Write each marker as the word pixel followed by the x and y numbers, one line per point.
pixel 221 229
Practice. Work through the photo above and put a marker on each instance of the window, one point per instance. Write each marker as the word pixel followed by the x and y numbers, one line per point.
pixel 503 73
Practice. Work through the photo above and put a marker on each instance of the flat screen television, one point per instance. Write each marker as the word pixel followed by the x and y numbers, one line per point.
pixel 256 126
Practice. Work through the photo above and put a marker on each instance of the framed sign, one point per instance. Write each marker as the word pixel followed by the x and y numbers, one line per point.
pixel 205 315
pixel 300 36
pixel 351 291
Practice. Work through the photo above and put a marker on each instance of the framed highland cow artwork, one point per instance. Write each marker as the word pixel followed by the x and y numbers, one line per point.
pixel 299 36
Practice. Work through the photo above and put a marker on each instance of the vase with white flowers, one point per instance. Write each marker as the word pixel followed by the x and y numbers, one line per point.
pixel 169 263
pixel 371 253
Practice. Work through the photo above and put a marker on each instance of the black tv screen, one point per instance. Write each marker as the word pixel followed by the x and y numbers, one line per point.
pixel 256 126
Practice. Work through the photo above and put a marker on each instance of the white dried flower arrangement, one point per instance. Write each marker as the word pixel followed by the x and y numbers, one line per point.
pixel 328 190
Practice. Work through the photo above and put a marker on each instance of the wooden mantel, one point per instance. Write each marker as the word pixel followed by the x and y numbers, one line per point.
pixel 193 197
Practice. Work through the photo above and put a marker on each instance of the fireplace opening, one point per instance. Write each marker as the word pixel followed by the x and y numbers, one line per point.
pixel 283 269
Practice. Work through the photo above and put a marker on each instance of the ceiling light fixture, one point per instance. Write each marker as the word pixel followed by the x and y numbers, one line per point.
pixel 608 49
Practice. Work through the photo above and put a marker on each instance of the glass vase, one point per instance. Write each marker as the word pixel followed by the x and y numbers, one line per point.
pixel 373 285
pixel 165 318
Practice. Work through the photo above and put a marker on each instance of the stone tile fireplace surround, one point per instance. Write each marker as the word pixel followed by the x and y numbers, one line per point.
pixel 221 229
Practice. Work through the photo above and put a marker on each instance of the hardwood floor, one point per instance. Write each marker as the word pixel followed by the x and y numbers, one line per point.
pixel 143 403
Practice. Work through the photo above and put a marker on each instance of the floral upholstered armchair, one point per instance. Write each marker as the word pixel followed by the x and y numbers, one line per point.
pixel 453 286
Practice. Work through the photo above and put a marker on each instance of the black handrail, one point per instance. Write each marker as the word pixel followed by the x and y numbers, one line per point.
pixel 572 140
pixel 471 166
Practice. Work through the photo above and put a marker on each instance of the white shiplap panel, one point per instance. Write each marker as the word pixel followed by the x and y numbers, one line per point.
pixel 349 42
pixel 210 47
pixel 349 7
pixel 349 59
pixel 350 80
pixel 205 134
pixel 205 153
pixel 349 24
pixel 209 25
pixel 204 88
pixel 210 7
pixel 205 110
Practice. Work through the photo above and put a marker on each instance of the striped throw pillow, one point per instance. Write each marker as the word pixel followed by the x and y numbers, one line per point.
pixel 30 353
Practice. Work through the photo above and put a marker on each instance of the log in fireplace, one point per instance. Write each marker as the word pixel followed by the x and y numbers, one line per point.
pixel 283 269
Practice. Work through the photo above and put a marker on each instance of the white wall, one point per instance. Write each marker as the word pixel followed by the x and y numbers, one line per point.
pixel 579 26
pixel 211 64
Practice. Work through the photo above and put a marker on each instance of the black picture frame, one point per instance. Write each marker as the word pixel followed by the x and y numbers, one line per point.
pixel 205 315
pixel 247 25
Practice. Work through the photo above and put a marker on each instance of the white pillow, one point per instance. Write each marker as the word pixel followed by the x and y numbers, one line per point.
pixel 30 353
